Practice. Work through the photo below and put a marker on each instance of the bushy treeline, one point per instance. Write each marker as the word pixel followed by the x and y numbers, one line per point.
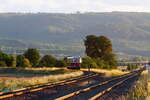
pixel 96 63
pixel 30 58
pixel 131 67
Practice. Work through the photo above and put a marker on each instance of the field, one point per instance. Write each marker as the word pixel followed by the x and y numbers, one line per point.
pixel 13 78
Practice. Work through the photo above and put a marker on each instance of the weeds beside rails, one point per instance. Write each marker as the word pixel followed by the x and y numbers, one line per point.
pixel 140 90
pixel 109 73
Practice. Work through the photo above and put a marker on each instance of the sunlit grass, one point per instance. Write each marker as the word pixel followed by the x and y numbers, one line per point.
pixel 140 90
pixel 7 84
pixel 109 73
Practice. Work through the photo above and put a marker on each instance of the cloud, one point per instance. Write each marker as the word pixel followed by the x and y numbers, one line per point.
pixel 73 5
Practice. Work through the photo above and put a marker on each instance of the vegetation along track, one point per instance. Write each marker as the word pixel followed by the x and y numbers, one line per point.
pixel 99 89
pixel 18 92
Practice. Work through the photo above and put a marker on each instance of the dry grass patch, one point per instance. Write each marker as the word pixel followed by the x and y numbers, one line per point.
pixel 109 73
pixel 140 90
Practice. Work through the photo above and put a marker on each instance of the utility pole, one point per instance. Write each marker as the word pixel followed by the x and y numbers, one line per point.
pixel 89 66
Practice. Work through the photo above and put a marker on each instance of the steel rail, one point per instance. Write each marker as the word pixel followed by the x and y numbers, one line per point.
pixel 97 96
pixel 17 92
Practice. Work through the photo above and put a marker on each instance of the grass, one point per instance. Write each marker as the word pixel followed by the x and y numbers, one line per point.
pixel 140 90
pixel 33 71
pixel 109 73
pixel 35 76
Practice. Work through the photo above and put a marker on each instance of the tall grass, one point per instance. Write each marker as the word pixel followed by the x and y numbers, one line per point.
pixel 109 73
pixel 140 90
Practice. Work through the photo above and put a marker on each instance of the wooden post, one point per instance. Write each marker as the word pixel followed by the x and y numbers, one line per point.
pixel 89 72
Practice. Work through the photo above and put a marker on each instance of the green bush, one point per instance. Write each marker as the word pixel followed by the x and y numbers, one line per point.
pixel 7 59
pixel 33 56
pixel 100 63
pixel 60 63
pixel 22 61
pixel 47 61
pixel 2 63
pixel 95 63
pixel 110 60
pixel 88 62
pixel 26 63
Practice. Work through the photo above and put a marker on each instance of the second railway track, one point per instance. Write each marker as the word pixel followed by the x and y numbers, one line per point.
pixel 96 91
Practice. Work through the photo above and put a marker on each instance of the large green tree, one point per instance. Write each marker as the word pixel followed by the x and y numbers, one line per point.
pixel 6 59
pixel 100 47
pixel 33 56
pixel 97 46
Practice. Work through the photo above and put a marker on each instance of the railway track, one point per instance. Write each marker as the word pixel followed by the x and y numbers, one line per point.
pixel 96 91
pixel 29 93
pixel 18 92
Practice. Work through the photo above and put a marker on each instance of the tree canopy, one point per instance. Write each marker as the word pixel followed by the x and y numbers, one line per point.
pixel 99 47
pixel 33 56
pixel 6 59
pixel 48 61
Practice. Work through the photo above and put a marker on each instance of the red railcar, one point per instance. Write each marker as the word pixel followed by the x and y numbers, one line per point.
pixel 74 62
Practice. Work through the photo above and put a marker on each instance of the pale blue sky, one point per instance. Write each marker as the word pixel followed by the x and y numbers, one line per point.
pixel 69 6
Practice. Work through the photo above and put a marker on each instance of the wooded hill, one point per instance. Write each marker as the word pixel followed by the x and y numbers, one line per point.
pixel 130 32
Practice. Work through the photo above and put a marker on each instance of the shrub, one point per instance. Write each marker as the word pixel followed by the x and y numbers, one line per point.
pixel 100 63
pixel 9 60
pixel 26 63
pixel 48 61
pixel 88 62
pixel 60 63
pixel 95 63
pixel 2 63
pixel 6 59
pixel 22 61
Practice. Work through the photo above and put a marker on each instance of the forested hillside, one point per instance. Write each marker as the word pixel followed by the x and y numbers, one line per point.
pixel 130 32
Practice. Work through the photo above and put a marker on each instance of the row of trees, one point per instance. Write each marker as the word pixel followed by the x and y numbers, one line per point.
pixel 98 49
pixel 95 63
pixel 131 67
pixel 31 58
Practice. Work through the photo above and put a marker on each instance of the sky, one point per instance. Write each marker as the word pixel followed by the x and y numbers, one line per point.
pixel 71 6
